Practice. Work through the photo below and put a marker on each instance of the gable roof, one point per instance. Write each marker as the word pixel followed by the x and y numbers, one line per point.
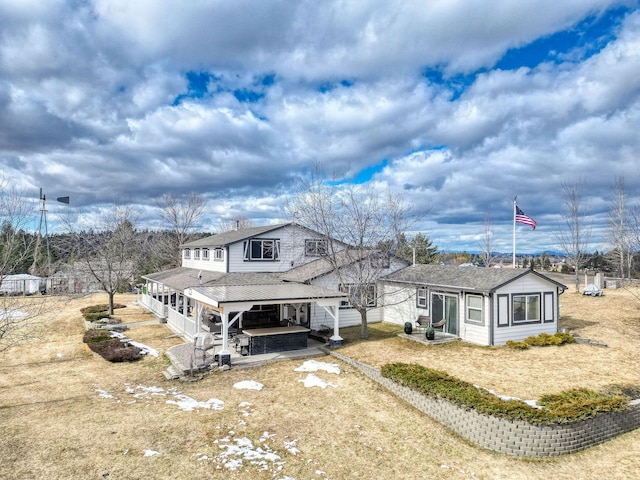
pixel 479 279
pixel 232 236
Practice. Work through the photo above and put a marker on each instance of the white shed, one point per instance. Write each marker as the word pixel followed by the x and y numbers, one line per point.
pixel 20 284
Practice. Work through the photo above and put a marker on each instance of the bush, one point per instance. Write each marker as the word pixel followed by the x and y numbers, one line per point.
pixel 565 407
pixel 112 349
pixel 542 340
pixel 96 312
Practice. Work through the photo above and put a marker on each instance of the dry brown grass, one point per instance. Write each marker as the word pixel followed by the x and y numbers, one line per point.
pixel 54 424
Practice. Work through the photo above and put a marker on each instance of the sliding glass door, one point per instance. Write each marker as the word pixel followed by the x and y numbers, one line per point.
pixel 445 306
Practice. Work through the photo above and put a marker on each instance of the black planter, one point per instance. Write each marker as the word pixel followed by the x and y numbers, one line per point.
pixel 430 335
pixel 408 329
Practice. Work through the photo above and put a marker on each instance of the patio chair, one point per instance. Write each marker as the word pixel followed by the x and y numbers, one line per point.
pixel 439 324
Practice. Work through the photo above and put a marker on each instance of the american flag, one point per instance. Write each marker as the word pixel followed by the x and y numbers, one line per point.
pixel 526 219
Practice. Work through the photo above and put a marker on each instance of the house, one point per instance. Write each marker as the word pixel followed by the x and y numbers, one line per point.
pixel 272 281
pixel 485 306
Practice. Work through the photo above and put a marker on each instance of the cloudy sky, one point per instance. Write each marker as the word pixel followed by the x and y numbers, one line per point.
pixel 460 105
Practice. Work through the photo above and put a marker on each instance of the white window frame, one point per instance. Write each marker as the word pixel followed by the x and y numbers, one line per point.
pixel 187 253
pixel 316 247
pixel 474 309
pixel 205 254
pixel 422 297
pixel 196 254
pixel 266 244
pixel 528 298
pixel 218 254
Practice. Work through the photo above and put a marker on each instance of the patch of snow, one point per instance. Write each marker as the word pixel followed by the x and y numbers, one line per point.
pixel 12 314
pixel 59 355
pixel 248 385
pixel 151 453
pixel 189 404
pixel 314 366
pixel 312 380
pixel 531 403
pixel 144 349
pixel 244 404
pixel 104 393
pixel 291 447
pixel 266 436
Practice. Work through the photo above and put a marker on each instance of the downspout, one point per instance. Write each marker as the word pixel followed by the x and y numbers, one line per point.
pixel 491 333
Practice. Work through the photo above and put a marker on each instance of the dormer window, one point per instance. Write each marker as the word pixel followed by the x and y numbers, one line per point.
pixel 187 253
pixel 196 254
pixel 315 247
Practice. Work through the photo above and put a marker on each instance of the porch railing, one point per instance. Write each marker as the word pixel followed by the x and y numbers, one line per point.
pixel 184 326
pixel 155 306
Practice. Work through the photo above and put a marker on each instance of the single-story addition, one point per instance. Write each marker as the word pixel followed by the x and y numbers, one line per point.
pixel 486 306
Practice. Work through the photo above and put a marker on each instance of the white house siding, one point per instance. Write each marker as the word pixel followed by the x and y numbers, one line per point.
pixel 529 284
pixel 473 333
pixel 291 252
pixel 400 305
pixel 208 265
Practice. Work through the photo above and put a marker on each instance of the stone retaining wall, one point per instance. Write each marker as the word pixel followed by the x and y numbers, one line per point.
pixel 512 437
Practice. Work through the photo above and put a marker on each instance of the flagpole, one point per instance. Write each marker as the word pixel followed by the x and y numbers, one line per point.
pixel 514 231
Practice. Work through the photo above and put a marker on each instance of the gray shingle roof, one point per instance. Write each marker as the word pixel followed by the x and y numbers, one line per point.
pixel 232 236
pixel 468 278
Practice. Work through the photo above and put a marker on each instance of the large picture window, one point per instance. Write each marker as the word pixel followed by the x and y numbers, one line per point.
pixel 526 308
pixel 421 297
pixel 262 249
pixel 315 247
pixel 366 295
pixel 474 309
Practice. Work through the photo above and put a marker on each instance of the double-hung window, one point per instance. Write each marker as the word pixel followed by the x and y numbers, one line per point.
pixel 205 254
pixel 474 309
pixel 196 254
pixel 187 253
pixel 218 255
pixel 421 297
pixel 526 308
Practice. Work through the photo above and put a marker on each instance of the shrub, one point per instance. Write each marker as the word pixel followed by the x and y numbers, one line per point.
pixel 542 340
pixel 565 407
pixel 96 312
pixel 112 349
pixel 96 335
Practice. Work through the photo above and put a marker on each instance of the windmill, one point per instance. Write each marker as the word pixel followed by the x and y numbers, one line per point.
pixel 43 224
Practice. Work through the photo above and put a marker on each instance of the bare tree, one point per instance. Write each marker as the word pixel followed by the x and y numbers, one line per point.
pixel 485 243
pixel 620 229
pixel 361 226
pixel 182 214
pixel 110 252
pixel 574 240
pixel 19 314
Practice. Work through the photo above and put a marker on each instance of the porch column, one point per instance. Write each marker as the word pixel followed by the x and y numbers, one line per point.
pixel 225 333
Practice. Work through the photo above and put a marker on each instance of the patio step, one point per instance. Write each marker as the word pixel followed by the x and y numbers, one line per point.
pixel 172 373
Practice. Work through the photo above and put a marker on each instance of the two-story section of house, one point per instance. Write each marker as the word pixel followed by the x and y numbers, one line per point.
pixel 258 278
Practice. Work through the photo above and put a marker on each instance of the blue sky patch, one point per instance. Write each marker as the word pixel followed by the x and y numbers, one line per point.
pixel 589 37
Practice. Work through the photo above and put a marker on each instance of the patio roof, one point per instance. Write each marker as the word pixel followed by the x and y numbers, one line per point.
pixel 282 292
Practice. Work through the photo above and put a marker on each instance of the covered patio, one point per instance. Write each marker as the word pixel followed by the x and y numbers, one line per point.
pixel 231 302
